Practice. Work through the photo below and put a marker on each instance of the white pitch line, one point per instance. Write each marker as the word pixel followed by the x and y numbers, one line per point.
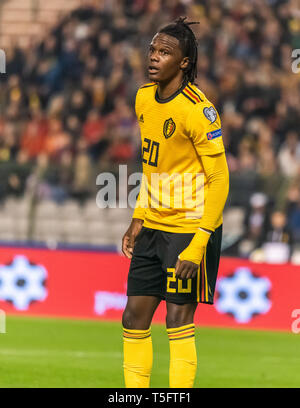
pixel 68 353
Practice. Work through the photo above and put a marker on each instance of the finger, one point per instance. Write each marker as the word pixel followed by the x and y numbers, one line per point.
pixel 190 274
pixel 124 245
pixel 182 271
pixel 130 245
pixel 184 268
pixel 193 270
pixel 179 268
pixel 126 248
pixel 127 253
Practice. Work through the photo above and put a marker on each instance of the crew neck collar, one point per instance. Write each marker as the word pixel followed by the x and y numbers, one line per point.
pixel 165 100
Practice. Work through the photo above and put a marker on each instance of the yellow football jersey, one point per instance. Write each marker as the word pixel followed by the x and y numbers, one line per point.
pixel 175 133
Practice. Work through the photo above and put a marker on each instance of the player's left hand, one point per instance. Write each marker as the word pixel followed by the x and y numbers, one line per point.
pixel 185 269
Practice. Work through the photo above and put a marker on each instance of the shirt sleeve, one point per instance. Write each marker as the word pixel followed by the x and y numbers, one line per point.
pixel 204 129
pixel 137 104
pixel 217 174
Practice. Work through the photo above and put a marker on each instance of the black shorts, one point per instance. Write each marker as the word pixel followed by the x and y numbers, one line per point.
pixel 152 267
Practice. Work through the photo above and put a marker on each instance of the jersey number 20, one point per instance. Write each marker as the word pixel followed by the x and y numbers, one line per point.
pixel 150 152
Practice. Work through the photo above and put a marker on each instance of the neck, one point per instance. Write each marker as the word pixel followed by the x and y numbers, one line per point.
pixel 167 89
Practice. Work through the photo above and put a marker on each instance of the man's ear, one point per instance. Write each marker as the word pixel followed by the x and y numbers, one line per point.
pixel 184 63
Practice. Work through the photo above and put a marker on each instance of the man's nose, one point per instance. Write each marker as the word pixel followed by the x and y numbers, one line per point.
pixel 154 56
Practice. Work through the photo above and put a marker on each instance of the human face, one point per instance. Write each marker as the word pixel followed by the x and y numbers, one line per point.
pixel 165 59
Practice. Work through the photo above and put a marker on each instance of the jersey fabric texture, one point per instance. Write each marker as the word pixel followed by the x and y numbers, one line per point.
pixel 152 267
pixel 175 133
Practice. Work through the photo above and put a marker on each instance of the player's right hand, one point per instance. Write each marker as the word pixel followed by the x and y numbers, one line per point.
pixel 130 235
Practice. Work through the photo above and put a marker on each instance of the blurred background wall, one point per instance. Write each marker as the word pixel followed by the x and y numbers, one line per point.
pixel 67 114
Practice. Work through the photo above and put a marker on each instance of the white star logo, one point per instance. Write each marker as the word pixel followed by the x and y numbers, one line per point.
pixel 243 295
pixel 21 282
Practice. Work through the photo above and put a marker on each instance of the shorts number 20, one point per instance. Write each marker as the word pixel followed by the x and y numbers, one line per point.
pixel 176 285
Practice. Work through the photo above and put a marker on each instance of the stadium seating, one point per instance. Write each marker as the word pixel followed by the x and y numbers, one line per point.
pixel 25 21
pixel 75 67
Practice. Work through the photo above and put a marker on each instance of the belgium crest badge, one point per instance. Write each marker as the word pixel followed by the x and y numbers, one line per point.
pixel 169 128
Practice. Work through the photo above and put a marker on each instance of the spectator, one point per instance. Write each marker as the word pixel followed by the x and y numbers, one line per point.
pixel 289 155
pixel 256 222
pixel 277 243
pixel 293 209
pixel 278 231
pixel 82 184
pixel 67 104
pixel 34 136
pixel 79 105
pixel 94 128
pixel 57 139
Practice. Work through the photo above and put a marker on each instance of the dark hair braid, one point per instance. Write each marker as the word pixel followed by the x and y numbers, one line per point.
pixel 180 29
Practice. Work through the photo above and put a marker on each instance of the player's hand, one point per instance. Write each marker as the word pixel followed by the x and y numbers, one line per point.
pixel 130 235
pixel 186 269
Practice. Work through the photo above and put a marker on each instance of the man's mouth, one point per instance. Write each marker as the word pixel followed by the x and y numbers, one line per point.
pixel 152 69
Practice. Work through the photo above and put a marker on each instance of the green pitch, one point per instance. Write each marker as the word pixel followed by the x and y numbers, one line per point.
pixel 74 353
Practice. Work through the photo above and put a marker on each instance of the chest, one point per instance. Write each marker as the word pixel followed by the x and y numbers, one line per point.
pixel 163 125
pixel 165 140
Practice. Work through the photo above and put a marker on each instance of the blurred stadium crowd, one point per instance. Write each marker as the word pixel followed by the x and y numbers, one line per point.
pixel 67 106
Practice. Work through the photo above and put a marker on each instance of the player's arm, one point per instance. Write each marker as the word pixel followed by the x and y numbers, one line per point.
pixel 217 174
pixel 135 227
pixel 130 235
pixel 139 211
pixel 204 127
pixel 136 224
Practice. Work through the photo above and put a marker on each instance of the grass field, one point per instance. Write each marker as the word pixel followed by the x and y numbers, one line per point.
pixel 73 353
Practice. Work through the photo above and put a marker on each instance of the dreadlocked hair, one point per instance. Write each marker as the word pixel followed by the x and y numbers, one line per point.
pixel 181 30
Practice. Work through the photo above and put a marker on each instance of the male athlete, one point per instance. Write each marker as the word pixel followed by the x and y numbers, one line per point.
pixel 174 250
